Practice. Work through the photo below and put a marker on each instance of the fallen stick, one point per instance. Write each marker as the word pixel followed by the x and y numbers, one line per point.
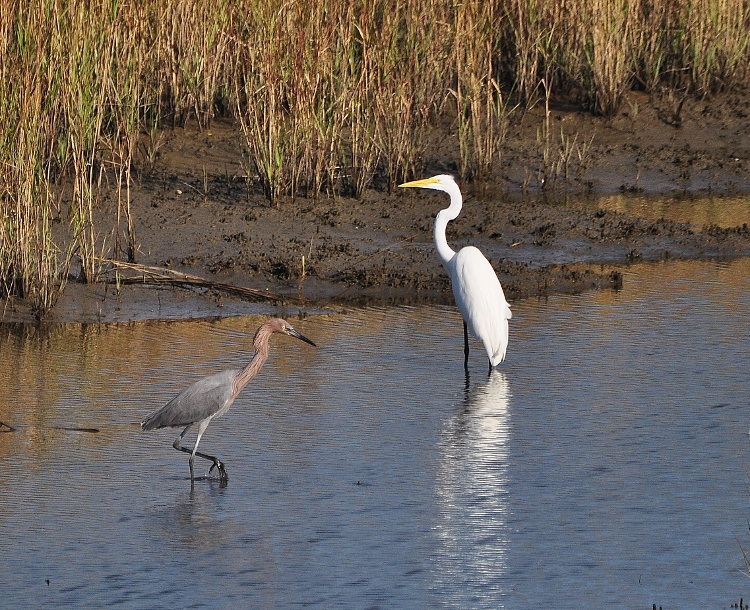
pixel 149 274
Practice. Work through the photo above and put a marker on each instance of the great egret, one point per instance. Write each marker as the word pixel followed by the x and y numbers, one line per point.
pixel 477 290
pixel 213 395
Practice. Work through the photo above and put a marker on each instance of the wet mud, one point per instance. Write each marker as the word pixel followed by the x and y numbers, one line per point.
pixel 538 223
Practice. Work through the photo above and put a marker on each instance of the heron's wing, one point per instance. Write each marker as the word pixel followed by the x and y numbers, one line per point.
pixel 481 300
pixel 201 400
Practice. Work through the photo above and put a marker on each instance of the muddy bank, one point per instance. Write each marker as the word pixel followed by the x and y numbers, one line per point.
pixel 537 222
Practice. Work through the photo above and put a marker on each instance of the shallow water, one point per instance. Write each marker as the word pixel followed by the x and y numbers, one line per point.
pixel 719 210
pixel 604 464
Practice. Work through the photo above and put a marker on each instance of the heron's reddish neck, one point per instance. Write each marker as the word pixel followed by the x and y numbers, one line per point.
pixel 261 345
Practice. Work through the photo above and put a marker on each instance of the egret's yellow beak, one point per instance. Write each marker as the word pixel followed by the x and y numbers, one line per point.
pixel 423 183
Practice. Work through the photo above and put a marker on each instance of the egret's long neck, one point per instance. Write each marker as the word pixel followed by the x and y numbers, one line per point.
pixel 445 252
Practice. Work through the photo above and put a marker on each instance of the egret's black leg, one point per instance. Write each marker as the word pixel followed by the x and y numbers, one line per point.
pixel 489 370
pixel 466 346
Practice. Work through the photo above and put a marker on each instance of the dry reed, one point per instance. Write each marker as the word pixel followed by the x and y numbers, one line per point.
pixel 330 96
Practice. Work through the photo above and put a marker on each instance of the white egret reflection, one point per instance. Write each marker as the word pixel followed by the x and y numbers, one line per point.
pixel 472 491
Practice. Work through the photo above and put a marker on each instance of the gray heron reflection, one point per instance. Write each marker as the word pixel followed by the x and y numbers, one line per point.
pixel 472 490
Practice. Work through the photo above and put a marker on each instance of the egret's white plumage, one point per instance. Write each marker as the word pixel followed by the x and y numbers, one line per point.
pixel 477 290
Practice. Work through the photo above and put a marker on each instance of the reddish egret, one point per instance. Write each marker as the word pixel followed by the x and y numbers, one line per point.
pixel 478 293
pixel 213 395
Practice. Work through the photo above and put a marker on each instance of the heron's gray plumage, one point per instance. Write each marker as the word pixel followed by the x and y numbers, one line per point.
pixel 209 397
pixel 213 395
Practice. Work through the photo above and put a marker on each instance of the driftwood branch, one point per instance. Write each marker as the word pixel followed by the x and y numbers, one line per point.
pixel 133 273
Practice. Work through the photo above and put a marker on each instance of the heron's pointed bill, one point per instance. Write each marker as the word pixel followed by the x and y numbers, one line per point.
pixel 293 333
pixel 423 183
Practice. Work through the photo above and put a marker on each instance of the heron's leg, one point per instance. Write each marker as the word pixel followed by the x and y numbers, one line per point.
pixel 193 452
pixel 222 469
pixel 178 445
pixel 216 461
pixel 466 346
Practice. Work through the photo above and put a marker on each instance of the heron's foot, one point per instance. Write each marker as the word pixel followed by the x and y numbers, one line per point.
pixel 222 470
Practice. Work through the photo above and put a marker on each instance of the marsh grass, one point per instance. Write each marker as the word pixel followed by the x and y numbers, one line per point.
pixel 480 104
pixel 607 53
pixel 331 96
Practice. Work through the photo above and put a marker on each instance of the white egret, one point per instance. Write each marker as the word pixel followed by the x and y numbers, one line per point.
pixel 477 290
